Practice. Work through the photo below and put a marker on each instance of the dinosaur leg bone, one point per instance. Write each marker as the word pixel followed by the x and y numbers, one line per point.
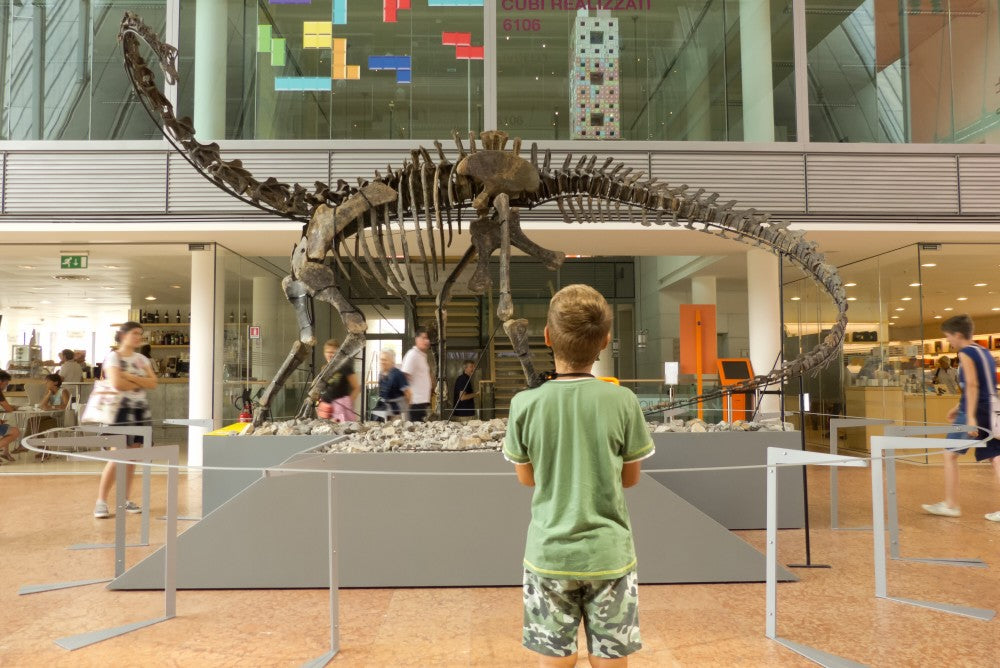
pixel 516 330
pixel 298 297
pixel 551 259
pixel 321 281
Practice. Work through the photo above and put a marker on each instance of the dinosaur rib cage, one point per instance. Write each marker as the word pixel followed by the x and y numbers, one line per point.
pixel 429 192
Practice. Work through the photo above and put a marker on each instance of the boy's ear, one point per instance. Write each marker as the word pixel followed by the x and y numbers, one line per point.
pixel 545 332
pixel 606 341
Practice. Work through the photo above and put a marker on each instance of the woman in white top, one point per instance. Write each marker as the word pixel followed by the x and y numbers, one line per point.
pixel 131 374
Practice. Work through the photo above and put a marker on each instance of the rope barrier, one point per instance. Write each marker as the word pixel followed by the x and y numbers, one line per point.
pixel 27 442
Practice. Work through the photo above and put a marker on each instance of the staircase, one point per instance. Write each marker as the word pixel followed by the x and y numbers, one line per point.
pixel 507 371
pixel 463 326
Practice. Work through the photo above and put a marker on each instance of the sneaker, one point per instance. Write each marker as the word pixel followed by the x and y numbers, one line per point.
pixel 101 511
pixel 133 508
pixel 993 517
pixel 942 508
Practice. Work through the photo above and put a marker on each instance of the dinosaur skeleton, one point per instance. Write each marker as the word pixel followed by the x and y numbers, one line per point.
pixel 429 194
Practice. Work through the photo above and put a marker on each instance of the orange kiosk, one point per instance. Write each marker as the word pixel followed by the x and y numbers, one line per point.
pixel 733 371
pixel 699 350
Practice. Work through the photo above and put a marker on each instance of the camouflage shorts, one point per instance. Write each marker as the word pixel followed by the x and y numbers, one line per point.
pixel 609 610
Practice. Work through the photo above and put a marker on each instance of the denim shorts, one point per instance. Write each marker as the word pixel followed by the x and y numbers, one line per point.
pixel 4 428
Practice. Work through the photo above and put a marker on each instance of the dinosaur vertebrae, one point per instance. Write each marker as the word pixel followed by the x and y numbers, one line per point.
pixel 429 191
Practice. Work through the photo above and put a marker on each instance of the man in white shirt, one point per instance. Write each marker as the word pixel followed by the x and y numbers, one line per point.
pixel 418 375
pixel 70 370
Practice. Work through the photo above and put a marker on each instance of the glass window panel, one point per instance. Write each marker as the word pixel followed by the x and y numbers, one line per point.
pixel 667 71
pixel 344 69
pixel 62 73
pixel 928 78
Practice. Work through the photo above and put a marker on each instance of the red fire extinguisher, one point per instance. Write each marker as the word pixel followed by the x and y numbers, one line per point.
pixel 246 413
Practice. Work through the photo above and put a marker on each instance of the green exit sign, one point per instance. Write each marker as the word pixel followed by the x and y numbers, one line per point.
pixel 73 262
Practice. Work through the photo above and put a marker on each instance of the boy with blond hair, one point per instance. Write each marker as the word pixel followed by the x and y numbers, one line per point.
pixel 579 441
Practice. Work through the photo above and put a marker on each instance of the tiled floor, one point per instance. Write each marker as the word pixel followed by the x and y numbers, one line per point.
pixel 684 625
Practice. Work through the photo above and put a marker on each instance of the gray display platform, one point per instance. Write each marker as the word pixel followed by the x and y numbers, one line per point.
pixel 415 530
pixel 260 452
pixel 734 499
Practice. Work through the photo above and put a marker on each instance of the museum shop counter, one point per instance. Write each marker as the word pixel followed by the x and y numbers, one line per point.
pixel 461 529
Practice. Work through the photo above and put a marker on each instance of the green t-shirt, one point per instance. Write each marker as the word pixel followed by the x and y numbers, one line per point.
pixel 577 434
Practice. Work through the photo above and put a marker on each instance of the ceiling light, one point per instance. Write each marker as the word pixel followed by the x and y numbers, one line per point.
pixel 45 301
pixel 176 287
pixel 906 299
pixel 979 285
pixel 111 266
pixel 937 317
pixel 850 285
pixel 25 266
pixel 852 299
pixel 948 308
pixel 914 285
pixel 928 264
pixel 962 299
pixel 995 308
pixel 894 317
pixel 150 298
pixel 89 299
pixel 795 299
pixel 900 308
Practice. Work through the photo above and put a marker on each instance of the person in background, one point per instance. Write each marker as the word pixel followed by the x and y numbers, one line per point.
pixel 80 356
pixel 463 396
pixel 977 375
pixel 944 377
pixel 337 400
pixel 56 398
pixel 418 375
pixel 393 391
pixel 131 374
pixel 8 432
pixel 69 369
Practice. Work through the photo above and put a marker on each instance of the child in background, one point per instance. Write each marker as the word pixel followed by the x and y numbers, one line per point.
pixel 579 442
pixel 56 398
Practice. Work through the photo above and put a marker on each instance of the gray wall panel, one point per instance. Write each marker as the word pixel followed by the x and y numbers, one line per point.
pixel 85 182
pixel 980 175
pixel 770 181
pixel 892 183
pixel 189 191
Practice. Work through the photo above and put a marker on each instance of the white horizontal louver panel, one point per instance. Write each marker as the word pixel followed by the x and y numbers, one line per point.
pixel 770 182
pixel 190 191
pixel 352 165
pixel 980 178
pixel 891 184
pixel 94 182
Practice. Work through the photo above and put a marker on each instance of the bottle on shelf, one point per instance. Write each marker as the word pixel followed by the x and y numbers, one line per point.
pixel 178 316
pixel 232 317
pixel 189 317
pixel 243 319
pixel 156 316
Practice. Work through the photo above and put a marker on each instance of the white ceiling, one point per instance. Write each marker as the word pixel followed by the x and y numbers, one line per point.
pixel 124 274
